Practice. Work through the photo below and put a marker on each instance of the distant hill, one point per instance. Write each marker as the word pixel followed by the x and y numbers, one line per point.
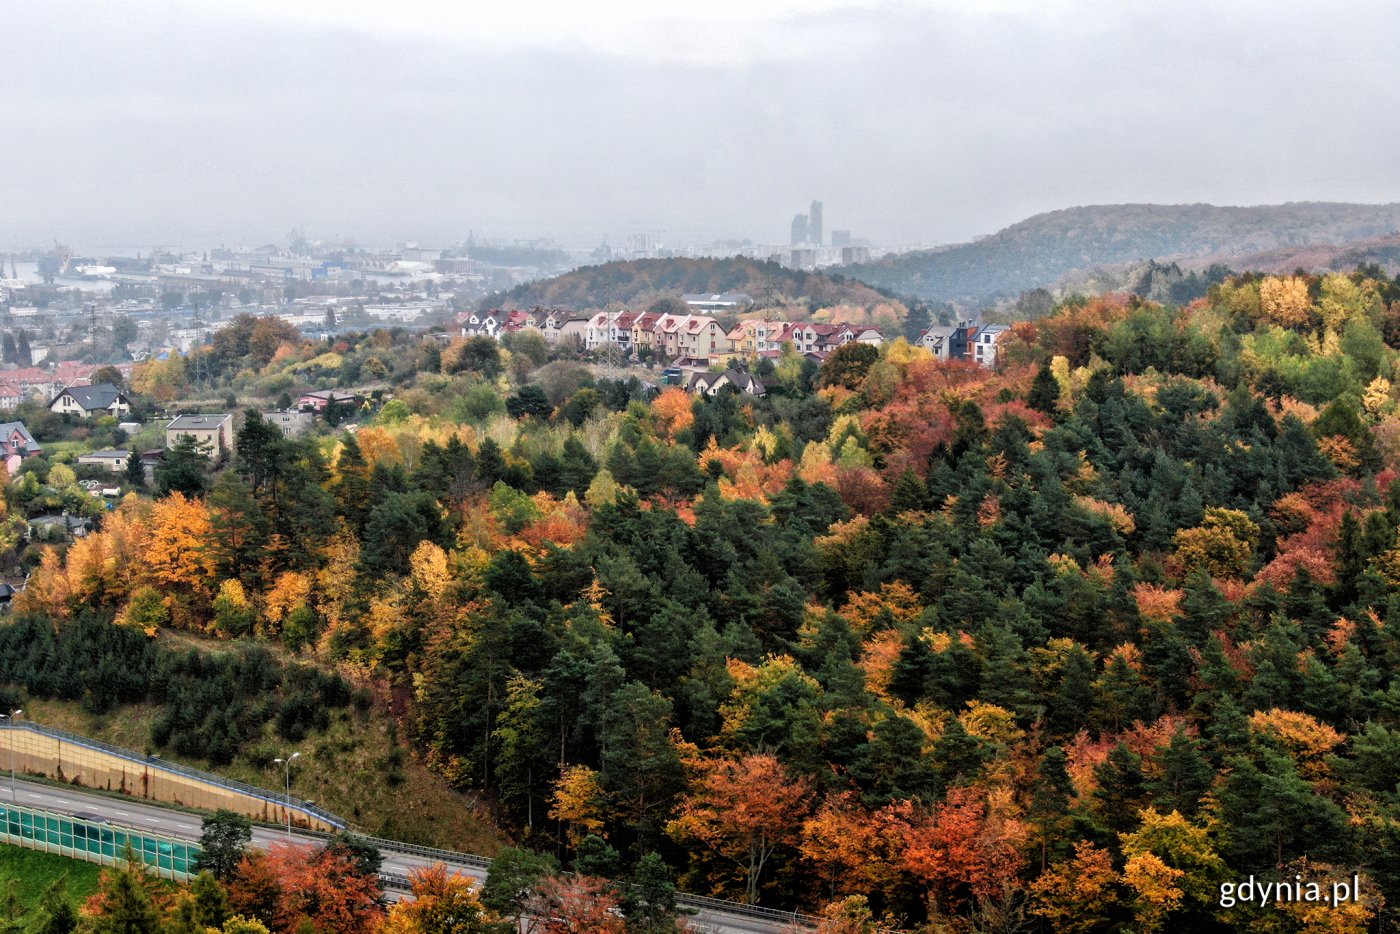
pixel 1042 250
pixel 641 281
pixel 1318 257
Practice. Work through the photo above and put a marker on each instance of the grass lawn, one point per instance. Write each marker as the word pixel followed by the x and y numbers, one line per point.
pixel 25 874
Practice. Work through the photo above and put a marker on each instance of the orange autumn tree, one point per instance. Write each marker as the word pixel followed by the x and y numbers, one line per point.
pixel 856 850
pixel 176 554
pixel 672 410
pixel 442 903
pixel 744 810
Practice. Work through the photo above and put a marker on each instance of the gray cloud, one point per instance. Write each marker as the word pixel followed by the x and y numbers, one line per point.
pixel 127 124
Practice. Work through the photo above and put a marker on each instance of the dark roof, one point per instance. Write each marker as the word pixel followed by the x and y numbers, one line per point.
pixel 93 398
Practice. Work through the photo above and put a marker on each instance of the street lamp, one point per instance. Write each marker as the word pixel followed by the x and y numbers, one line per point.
pixel 287 766
pixel 9 719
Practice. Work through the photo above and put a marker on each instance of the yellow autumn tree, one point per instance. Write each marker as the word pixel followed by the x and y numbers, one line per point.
pixel 1341 300
pixel 428 570
pixel 1156 893
pixel 1285 301
pixel 578 802
pixel 1307 740
pixel 1079 895
pixel 1222 545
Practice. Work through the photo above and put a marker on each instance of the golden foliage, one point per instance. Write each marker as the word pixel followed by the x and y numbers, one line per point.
pixel 579 802
pixel 1307 740
pixel 1285 301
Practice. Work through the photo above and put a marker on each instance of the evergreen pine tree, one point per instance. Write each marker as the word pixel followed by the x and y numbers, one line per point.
pixel 1183 776
pixel 1044 395
pixel 135 469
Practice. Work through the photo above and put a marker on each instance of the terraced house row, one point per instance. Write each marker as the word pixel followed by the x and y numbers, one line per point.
pixel 682 339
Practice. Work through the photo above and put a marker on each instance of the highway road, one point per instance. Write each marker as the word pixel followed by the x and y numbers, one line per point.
pixel 182 825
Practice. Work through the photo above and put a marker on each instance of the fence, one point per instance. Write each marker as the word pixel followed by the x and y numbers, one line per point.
pixel 94 841
pixel 40 750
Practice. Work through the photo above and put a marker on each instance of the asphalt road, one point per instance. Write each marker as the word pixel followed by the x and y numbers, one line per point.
pixel 182 825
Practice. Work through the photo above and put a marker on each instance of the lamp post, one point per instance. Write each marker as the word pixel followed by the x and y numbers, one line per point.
pixel 287 767
pixel 9 719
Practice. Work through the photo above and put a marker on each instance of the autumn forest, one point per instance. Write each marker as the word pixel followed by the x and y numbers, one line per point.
pixel 1060 645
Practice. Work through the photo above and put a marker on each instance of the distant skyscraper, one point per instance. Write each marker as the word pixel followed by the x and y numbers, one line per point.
pixel 799 229
pixel 840 238
pixel 814 224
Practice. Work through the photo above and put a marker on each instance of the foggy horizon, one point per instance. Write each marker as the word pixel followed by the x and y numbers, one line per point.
pixel 223 123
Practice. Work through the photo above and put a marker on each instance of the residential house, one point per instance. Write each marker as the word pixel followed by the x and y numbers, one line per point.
pixel 58 528
pixel 702 337
pixel 213 433
pixel 741 338
pixel 291 424
pixel 91 401
pixel 513 321
pixel 644 333
pixel 112 459
pixel 571 330
pixel 984 343
pixel 597 331
pixel 317 400
pixel 937 339
pixel 481 323
pixel 11 395
pixel 558 321
pixel 18 444
pixel 710 384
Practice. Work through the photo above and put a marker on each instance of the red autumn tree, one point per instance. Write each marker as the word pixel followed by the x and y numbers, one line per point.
pixel 288 886
pixel 576 905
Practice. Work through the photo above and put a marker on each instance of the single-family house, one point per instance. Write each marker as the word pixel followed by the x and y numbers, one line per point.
pixel 91 401
pixel 112 459
pixel 482 324
pixel 18 444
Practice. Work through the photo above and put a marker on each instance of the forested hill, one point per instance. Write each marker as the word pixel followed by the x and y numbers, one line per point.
pixel 1040 250
pixel 644 280
pixel 1071 643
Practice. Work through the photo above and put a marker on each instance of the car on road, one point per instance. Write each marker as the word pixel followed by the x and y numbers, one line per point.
pixel 90 817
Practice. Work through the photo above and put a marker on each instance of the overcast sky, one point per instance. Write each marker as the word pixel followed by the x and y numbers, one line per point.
pixel 205 122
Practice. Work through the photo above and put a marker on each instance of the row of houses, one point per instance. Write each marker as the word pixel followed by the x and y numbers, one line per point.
pixel 967 340
pixel 697 338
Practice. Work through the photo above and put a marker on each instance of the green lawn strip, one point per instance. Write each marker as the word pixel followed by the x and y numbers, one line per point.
pixel 26 874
